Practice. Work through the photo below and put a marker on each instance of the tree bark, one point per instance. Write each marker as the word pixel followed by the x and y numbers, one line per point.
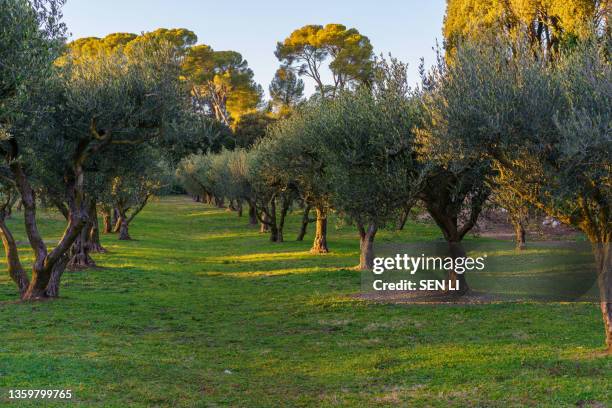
pixel 305 222
pixel 275 234
pixel 107 219
pixel 603 261
pixel 265 226
pixel 15 269
pixel 79 253
pixel 53 287
pixel 519 235
pixel 285 204
pixel 239 207
pixel 404 216
pixel 115 221
pixel 252 214
pixel 366 246
pixel 45 261
pixel 95 245
pixel 86 242
pixel 124 234
pixel 319 245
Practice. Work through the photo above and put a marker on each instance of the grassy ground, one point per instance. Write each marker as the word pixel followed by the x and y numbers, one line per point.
pixel 201 310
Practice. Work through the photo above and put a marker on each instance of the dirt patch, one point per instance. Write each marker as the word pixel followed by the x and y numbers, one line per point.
pixel 496 224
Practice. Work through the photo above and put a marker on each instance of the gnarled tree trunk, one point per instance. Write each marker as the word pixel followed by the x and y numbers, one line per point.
pixel 519 235
pixel 124 220
pixel 15 269
pixel 305 221
pixel 603 262
pixel 95 245
pixel 53 287
pixel 252 213
pixel 115 221
pixel 283 216
pixel 271 221
pixel 264 225
pixel 319 245
pixel 239 207
pixel 405 213
pixel 124 233
pixel 79 253
pixel 107 220
pixel 446 196
pixel 275 234
pixel 453 235
pixel 86 242
pixel 366 246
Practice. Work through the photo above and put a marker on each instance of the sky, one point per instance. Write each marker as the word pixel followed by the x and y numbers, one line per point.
pixel 408 29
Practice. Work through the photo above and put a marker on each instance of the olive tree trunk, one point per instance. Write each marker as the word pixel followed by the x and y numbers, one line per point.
pixel 520 235
pixel 107 220
pixel 79 253
pixel 86 242
pixel 285 203
pixel 252 213
pixel 15 269
pixel 115 220
pixel 53 287
pixel 319 245
pixel 95 245
pixel 239 207
pixel 271 221
pixel 603 261
pixel 124 228
pixel 305 221
pixel 366 246
pixel 45 261
pixel 264 224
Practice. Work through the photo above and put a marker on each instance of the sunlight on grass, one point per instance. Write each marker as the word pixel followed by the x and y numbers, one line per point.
pixel 180 313
pixel 275 272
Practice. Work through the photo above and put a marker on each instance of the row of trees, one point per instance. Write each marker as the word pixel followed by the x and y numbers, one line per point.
pixel 358 154
pixel 95 126
pixel 501 118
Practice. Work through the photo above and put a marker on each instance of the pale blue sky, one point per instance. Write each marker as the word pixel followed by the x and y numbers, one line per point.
pixel 408 29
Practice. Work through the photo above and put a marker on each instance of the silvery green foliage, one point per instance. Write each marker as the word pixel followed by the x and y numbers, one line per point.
pixel 366 138
pixel 267 176
pixel 544 124
pixel 30 39
pixel 193 174
pixel 292 148
pixel 29 42
pixel 581 161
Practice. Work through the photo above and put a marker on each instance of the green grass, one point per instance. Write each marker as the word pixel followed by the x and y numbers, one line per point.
pixel 201 310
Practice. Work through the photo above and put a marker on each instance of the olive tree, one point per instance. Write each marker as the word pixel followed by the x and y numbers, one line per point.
pixel 368 145
pixel 545 125
pixel 193 174
pixel 238 185
pixel 86 108
pixel 274 190
pixel 453 189
pixel 295 151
